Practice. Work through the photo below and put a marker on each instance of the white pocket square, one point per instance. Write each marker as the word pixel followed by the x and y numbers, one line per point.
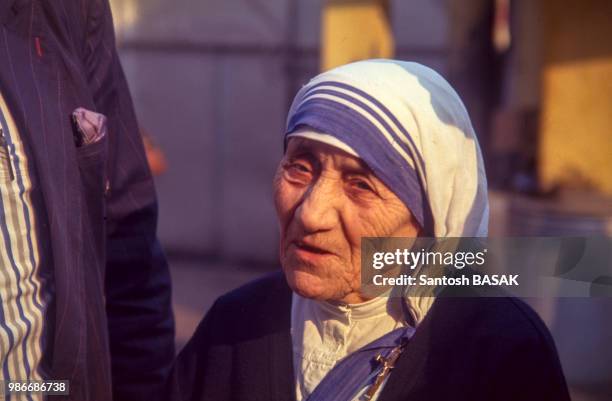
pixel 89 125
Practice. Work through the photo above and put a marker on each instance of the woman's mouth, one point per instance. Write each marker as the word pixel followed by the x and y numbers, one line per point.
pixel 309 251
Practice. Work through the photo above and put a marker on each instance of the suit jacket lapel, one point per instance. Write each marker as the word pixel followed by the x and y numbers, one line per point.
pixel 30 83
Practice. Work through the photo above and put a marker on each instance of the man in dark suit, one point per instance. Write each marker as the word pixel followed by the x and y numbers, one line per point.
pixel 85 287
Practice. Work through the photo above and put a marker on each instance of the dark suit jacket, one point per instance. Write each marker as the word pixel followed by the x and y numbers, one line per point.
pixel 466 349
pixel 111 320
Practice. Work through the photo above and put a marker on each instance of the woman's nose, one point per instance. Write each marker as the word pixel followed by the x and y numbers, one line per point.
pixel 319 209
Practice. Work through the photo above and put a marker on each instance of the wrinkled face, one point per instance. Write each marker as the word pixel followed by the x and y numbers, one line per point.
pixel 326 200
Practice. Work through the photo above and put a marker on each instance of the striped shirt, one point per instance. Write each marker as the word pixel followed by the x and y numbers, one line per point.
pixel 22 298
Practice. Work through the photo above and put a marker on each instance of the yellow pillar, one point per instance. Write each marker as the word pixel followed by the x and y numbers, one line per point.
pixel 576 123
pixel 355 30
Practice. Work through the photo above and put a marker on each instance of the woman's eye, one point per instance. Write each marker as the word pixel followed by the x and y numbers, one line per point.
pixel 298 167
pixel 298 172
pixel 363 185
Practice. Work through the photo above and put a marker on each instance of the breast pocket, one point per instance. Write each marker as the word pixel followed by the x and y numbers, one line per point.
pixel 92 167
pixel 92 163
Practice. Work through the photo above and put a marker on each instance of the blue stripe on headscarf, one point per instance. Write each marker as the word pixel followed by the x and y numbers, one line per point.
pixel 369 111
pixel 383 109
pixel 355 130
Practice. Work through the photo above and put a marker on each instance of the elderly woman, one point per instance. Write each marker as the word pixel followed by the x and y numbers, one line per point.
pixel 377 148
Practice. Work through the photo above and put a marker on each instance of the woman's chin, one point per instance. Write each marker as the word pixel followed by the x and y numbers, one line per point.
pixel 306 284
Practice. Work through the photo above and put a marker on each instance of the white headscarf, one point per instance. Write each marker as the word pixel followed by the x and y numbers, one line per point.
pixel 411 128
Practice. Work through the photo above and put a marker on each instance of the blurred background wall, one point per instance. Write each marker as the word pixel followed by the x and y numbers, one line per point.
pixel 212 81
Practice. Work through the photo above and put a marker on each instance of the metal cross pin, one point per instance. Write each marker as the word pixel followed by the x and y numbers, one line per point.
pixel 387 363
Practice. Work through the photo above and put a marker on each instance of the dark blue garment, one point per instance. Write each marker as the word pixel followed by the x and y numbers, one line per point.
pixel 466 349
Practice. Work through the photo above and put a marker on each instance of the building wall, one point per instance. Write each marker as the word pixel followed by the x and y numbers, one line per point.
pixel 212 81
pixel 576 138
